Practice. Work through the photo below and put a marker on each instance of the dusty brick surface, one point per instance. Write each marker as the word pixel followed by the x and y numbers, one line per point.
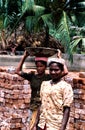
pixel 15 94
pixel 79 103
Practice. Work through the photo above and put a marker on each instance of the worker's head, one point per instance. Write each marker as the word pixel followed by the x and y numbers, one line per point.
pixel 41 64
pixel 56 67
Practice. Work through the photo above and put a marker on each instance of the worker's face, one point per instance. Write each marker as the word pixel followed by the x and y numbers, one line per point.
pixel 40 67
pixel 55 71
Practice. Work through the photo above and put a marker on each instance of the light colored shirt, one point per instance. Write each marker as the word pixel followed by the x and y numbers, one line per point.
pixel 54 97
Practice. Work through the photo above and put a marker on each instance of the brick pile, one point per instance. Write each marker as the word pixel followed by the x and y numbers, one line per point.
pixel 15 94
pixel 79 103
pixel 69 79
pixel 77 114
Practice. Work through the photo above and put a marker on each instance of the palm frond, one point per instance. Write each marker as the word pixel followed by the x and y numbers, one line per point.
pixel 38 10
pixel 30 23
pixel 6 21
pixel 73 44
pixel 62 29
pixel 47 19
pixel 28 4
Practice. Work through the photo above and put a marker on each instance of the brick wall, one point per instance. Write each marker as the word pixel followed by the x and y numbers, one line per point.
pixel 77 114
pixel 15 94
pixel 79 103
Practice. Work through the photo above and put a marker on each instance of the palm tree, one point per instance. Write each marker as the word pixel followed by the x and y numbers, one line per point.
pixel 78 26
pixel 59 18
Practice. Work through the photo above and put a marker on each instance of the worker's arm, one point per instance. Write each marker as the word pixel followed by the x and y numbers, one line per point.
pixel 66 114
pixel 65 71
pixel 59 55
pixel 20 65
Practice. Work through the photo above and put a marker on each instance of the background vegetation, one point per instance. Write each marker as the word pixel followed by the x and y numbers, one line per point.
pixel 62 19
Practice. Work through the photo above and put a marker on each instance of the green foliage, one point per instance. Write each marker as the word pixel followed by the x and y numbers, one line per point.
pixel 62 29
pixel 30 20
pixel 10 20
pixel 64 19
pixel 73 44
pixel 1 23
pixel 80 16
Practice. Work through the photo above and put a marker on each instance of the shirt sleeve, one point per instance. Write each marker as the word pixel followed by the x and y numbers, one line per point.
pixel 67 95
pixel 27 76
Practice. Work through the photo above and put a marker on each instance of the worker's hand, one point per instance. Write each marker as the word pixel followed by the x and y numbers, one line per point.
pixel 58 53
pixel 26 53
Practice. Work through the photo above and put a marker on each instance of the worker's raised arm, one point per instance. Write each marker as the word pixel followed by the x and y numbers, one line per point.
pixel 20 65
pixel 59 55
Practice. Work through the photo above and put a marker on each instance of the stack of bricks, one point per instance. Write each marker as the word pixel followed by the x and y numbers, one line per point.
pixel 77 114
pixel 79 103
pixel 15 94
pixel 70 126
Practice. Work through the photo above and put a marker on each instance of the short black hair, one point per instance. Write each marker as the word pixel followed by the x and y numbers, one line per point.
pixel 43 62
